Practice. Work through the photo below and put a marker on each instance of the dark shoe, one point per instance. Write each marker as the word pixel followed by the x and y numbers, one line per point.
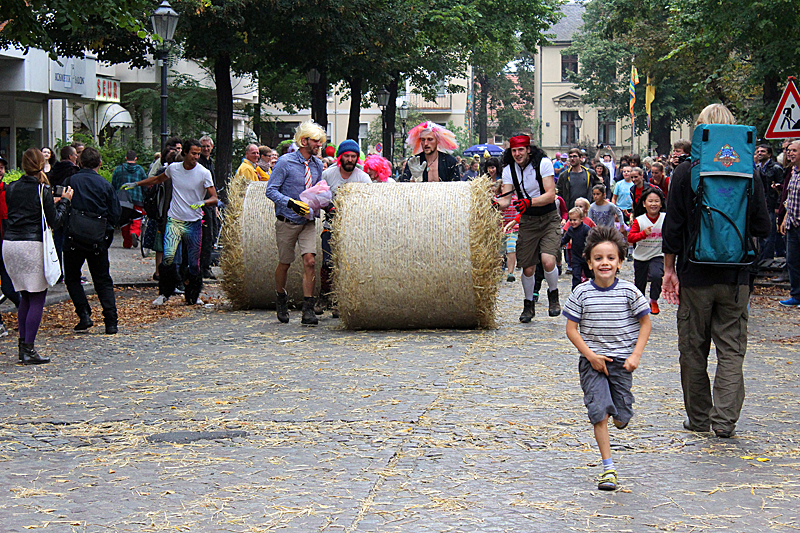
pixel 208 274
pixel 134 240
pixel 21 341
pixel 535 297
pixel 85 316
pixel 511 278
pixel 320 305
pixel 724 434
pixel 528 311
pixel 282 307
pixel 555 306
pixel 334 311
pixel 309 318
pixel 688 427
pixel 31 357
pixel 111 329
pixel 156 277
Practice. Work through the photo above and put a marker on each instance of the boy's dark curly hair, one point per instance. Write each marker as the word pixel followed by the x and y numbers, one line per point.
pixel 600 234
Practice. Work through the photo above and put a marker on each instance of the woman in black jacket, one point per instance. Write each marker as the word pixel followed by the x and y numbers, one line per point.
pixel 22 246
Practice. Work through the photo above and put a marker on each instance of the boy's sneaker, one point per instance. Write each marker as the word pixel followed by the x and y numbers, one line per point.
pixel 161 300
pixel 511 278
pixel 654 310
pixel 791 302
pixel 608 480
pixel 618 424
pixel 3 331
pixel 535 297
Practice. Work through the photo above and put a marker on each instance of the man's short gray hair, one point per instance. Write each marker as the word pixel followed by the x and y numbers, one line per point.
pixel 207 138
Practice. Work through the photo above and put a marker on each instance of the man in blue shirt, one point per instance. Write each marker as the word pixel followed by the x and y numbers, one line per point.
pixel 294 173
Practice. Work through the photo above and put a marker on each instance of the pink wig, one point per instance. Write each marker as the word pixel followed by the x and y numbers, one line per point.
pixel 445 138
pixel 380 165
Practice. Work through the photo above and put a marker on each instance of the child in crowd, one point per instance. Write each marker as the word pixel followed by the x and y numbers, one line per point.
pixel 583 203
pixel 602 211
pixel 648 259
pixel 511 231
pixel 576 234
pixel 622 192
pixel 608 322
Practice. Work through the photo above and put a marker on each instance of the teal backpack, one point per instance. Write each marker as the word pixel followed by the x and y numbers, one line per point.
pixel 722 180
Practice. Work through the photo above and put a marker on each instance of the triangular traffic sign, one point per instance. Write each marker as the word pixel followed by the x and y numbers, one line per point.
pixel 785 122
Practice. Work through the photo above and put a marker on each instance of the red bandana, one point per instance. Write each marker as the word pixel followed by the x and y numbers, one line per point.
pixel 520 140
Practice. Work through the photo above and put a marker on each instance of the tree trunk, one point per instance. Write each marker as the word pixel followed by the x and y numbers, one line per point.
pixel 660 133
pixel 224 146
pixel 353 123
pixel 483 104
pixel 320 100
pixel 257 114
pixel 772 92
pixel 391 113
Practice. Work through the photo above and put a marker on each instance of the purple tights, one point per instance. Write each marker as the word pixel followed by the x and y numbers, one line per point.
pixel 29 314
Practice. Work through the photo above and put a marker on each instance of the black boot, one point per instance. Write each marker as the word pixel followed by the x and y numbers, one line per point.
pixel 282 307
pixel 321 304
pixel 85 316
pixel 528 311
pixel 555 307
pixel 110 320
pixel 309 318
pixel 31 357
pixel 21 340
pixel 111 328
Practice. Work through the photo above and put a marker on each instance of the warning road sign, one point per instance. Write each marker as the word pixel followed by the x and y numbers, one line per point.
pixel 785 122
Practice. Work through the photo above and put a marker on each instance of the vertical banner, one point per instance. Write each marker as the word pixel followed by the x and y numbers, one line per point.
pixel 649 96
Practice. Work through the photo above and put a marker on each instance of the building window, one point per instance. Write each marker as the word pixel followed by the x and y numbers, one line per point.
pixel 568 128
pixel 606 130
pixel 569 63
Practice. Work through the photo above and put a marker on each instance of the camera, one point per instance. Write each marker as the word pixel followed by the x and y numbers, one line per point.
pixel 58 190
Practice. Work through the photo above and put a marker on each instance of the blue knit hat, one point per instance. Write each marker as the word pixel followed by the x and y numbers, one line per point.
pixel 348 145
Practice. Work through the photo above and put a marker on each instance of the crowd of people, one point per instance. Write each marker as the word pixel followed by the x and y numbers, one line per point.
pixel 589 216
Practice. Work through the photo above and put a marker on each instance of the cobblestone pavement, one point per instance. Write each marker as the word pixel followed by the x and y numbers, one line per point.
pixel 229 421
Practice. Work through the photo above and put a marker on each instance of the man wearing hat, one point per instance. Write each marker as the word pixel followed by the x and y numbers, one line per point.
pixel 343 172
pixel 529 172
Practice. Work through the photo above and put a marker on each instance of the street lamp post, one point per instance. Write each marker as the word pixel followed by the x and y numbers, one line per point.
pixel 578 122
pixel 164 20
pixel 312 78
pixel 403 117
pixel 383 101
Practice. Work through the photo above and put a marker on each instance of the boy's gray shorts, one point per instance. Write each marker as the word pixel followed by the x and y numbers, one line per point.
pixel 609 395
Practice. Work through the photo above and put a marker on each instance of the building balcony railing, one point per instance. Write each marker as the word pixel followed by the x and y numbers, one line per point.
pixel 441 103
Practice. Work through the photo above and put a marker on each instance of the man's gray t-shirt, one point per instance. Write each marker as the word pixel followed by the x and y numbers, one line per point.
pixel 188 187
pixel 334 178
pixel 578 187
pixel 603 215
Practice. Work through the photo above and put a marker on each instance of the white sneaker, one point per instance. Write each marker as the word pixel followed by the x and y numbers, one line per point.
pixel 161 300
pixel 199 302
pixel 3 331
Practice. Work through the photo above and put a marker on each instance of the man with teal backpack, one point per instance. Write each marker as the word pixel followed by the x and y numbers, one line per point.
pixel 715 209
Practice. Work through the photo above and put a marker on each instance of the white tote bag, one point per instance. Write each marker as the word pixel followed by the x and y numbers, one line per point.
pixel 52 266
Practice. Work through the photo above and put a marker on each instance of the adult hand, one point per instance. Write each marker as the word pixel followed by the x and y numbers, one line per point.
pixel 197 206
pixel 670 287
pixel 301 208
pixel 128 186
pixel 67 193
pixel 782 229
pixel 522 205
pixel 416 168
pixel 598 362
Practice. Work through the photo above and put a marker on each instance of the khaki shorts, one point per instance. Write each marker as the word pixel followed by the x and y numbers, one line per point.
pixel 288 235
pixel 538 235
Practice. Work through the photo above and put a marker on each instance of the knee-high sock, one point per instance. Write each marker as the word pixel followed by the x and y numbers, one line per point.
pixel 527 286
pixel 552 279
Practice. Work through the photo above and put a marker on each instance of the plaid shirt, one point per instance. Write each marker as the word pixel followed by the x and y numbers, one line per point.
pixel 793 200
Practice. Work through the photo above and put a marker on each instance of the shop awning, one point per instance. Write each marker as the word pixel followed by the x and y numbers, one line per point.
pixel 113 115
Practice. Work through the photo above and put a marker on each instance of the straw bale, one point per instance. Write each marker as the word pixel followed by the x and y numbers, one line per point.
pixel 416 255
pixel 250 254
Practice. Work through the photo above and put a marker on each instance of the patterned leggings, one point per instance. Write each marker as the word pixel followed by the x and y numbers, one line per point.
pixel 188 233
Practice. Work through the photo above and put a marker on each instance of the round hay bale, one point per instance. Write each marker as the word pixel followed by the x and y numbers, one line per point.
pixel 416 255
pixel 250 254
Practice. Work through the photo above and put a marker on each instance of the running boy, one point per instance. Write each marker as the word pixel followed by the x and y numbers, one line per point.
pixel 648 259
pixel 614 323
pixel 576 234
